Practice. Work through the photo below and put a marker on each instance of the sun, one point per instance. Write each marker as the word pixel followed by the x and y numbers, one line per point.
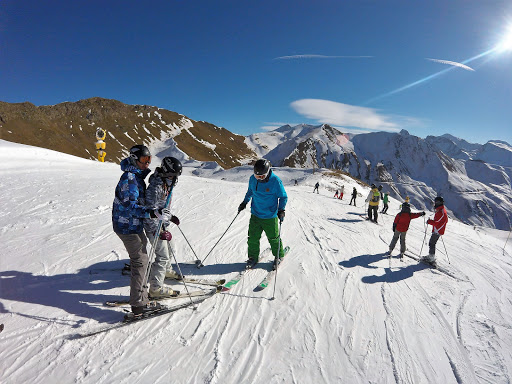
pixel 506 41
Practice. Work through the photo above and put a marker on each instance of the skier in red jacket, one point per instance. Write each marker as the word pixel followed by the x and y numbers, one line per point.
pixel 400 227
pixel 439 225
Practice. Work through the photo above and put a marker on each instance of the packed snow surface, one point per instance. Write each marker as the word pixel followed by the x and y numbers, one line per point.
pixel 343 313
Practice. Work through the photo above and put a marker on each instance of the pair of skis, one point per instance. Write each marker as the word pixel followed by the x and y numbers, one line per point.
pixel 263 284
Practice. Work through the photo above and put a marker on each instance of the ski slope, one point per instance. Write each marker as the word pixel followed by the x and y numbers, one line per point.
pixel 342 313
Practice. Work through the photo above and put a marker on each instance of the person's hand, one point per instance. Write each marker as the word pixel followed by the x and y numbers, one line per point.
pixel 175 220
pixel 163 214
pixel 165 235
pixel 280 214
pixel 242 206
pixel 423 213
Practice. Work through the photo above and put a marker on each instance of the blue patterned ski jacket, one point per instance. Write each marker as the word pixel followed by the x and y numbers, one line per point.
pixel 129 210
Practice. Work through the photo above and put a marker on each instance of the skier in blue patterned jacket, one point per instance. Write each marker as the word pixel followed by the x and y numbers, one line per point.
pixel 128 213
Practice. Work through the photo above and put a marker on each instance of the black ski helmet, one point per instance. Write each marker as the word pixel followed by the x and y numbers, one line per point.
pixel 438 201
pixel 171 167
pixel 261 167
pixel 406 208
pixel 137 151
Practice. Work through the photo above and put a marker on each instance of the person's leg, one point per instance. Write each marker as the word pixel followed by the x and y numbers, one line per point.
pixel 253 238
pixel 159 265
pixel 396 234
pixel 432 244
pixel 402 242
pixel 135 245
pixel 271 228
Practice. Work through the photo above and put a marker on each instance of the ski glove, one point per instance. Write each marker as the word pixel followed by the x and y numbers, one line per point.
pixel 166 235
pixel 242 206
pixel 175 220
pixel 423 213
pixel 280 214
pixel 163 214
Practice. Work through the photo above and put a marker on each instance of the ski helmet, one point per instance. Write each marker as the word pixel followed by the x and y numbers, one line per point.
pixel 261 167
pixel 138 151
pixel 171 167
pixel 438 201
pixel 406 208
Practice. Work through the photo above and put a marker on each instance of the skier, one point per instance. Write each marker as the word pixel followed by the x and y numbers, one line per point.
pixel 407 200
pixel 385 201
pixel 373 204
pixel 161 182
pixel 354 195
pixel 296 182
pixel 438 227
pixel 336 195
pixel 380 191
pixel 400 227
pixel 267 207
pixel 128 212
pixel 342 191
pixel 316 187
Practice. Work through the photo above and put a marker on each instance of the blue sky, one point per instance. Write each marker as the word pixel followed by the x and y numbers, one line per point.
pixel 249 66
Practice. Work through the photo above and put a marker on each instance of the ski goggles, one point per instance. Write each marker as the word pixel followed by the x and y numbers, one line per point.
pixel 145 160
pixel 261 177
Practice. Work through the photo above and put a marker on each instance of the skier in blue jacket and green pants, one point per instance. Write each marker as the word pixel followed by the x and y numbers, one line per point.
pixel 267 209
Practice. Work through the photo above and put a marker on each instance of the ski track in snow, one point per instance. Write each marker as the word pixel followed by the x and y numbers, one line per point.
pixel 341 314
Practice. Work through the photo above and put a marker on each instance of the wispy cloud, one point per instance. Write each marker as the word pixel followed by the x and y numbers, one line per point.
pixel 339 114
pixel 319 57
pixel 453 63
pixel 271 126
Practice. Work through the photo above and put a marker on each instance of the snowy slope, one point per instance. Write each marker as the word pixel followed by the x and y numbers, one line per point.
pixel 341 314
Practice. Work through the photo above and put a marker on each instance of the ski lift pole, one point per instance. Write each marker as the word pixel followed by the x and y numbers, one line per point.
pixel 275 259
pixel 445 250
pixel 199 263
pixel 157 237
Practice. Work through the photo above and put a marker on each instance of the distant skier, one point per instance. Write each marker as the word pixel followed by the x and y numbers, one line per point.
pixel 316 187
pixel 128 212
pixel 380 191
pixel 161 183
pixel 438 228
pixel 354 196
pixel 267 209
pixel 373 204
pixel 296 182
pixel 385 201
pixel 400 227
pixel 342 191
pixel 337 195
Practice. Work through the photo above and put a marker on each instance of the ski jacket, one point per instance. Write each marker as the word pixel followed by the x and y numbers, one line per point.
pixel 386 199
pixel 129 207
pixel 354 193
pixel 403 219
pixel 156 197
pixel 373 197
pixel 439 221
pixel 267 196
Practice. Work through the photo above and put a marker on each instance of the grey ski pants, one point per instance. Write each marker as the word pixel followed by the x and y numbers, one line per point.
pixel 432 243
pixel 136 246
pixel 397 235
pixel 163 261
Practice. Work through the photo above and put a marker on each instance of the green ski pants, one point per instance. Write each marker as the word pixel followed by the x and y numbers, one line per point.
pixel 271 228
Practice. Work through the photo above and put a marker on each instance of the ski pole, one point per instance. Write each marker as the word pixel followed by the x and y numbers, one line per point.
pixel 183 280
pixel 157 236
pixel 424 237
pixel 445 251
pixel 199 263
pixel 185 237
pixel 275 259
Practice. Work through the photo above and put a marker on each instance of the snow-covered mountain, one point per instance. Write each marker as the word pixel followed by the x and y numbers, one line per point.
pixel 475 180
pixel 342 312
